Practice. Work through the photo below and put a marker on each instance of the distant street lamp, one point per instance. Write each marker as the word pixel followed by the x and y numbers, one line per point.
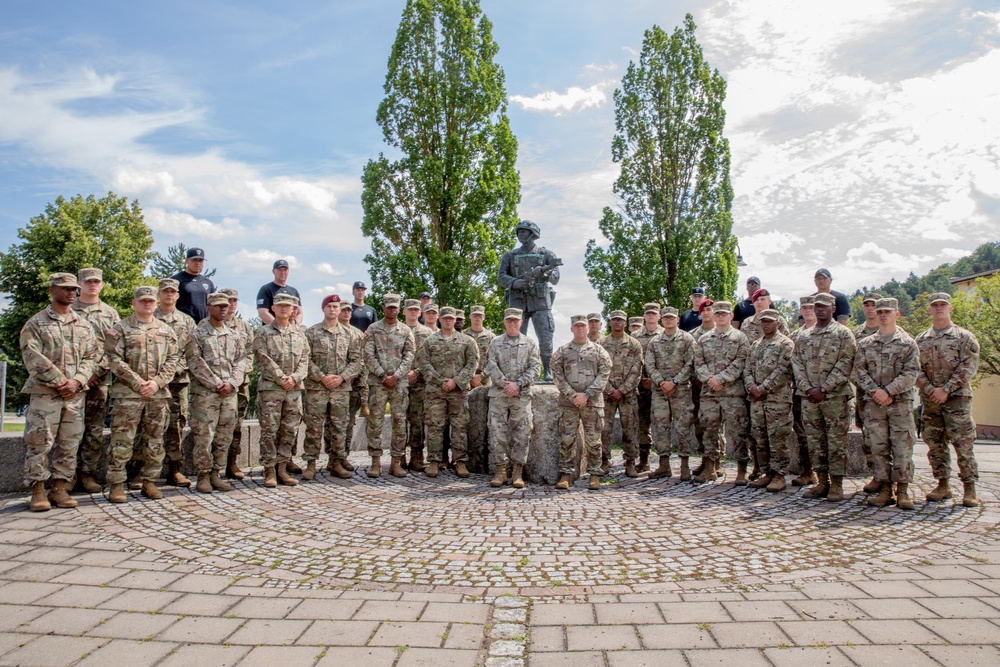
pixel 739 256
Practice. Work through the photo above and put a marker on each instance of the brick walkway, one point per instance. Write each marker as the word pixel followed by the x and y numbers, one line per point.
pixel 450 572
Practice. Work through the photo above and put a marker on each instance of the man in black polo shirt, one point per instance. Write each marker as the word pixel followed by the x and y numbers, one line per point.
pixel 362 316
pixel 690 319
pixel 266 294
pixel 193 287
pixel 744 309
pixel 842 310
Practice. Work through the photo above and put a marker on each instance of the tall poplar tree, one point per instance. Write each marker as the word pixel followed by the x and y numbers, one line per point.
pixel 440 215
pixel 673 228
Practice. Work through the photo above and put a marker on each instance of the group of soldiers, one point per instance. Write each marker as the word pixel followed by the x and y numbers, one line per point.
pixel 752 385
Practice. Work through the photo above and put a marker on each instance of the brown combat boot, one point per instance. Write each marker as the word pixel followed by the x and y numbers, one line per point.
pixel 461 470
pixel 685 470
pixel 662 469
pixel 760 482
pixel 364 411
pixel 904 500
pixel 150 491
pixel 337 469
pixel 595 483
pixel 836 492
pixel 432 469
pixel 375 469
pixel 135 483
pixel 884 496
pixel 292 468
pixel 741 474
pixel 821 488
pixel 643 460
pixel 233 467
pixel 59 495
pixel 756 472
pixel 563 483
pixel 396 468
pixel 807 478
pixel 873 486
pixel 605 465
pixel 175 477
pixel 219 484
pixel 970 499
pixel 38 502
pixel 708 472
pixel 777 483
pixel 270 479
pixel 500 478
pixel 416 463
pixel 700 469
pixel 517 481
pixel 310 472
pixel 630 469
pixel 117 493
pixel 89 484
pixel 942 492
pixel 281 472
pixel 346 465
pixel 204 484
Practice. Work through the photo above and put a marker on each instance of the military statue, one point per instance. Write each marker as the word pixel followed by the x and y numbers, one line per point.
pixel 527 274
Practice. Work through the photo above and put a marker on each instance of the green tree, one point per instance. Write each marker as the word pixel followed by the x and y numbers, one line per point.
pixel 673 229
pixel 979 311
pixel 164 266
pixel 440 216
pixel 71 234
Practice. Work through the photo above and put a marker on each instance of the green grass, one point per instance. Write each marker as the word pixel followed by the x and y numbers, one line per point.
pixel 11 428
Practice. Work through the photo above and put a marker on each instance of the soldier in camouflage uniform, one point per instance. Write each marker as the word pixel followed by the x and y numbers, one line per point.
pixel 750 327
pixel 807 477
pixel 143 355
pixel 217 361
pixel 334 362
pixel 669 362
pixel 861 332
pixel 389 350
pixel 512 364
pixel 650 330
pixel 245 332
pixel 767 377
pixel 949 357
pixel 447 360
pixel 634 325
pixel 824 358
pixel 281 351
pixel 707 326
pixel 885 370
pixel 595 327
pixel 59 351
pixel 412 311
pixel 359 391
pixel 622 392
pixel 101 317
pixel 482 336
pixel 719 360
pixel 580 371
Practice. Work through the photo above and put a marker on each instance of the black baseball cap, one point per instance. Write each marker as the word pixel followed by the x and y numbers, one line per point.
pixel 426 295
pixel 359 285
pixel 280 264
pixel 754 279
pixel 824 272
pixel 195 253
pixel 698 290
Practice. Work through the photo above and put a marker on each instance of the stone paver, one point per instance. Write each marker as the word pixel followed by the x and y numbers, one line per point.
pixel 52 651
pixel 128 652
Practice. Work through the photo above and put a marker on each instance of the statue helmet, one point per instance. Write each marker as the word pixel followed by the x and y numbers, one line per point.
pixel 531 227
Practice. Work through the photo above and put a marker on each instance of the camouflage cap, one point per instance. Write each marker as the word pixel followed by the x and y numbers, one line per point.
pixel 447 311
pixel 477 310
pixel 621 315
pixel 669 311
pixel 411 303
pixel 871 296
pixel 769 314
pixel 230 292
pixel 90 274
pixel 431 307
pixel 218 299
pixel 722 307
pixel 807 301
pixel 651 308
pixel 283 298
pixel 62 280
pixel 459 314
pixel 938 297
pixel 594 316
pixel 390 300
pixel 577 319
pixel 144 292
pixel 512 314
pixel 346 305
pixel 170 283
pixel 824 299
pixel 632 321
pixel 887 303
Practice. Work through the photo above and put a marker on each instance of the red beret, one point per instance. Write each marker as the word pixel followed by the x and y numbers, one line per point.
pixel 707 303
pixel 333 297
pixel 759 293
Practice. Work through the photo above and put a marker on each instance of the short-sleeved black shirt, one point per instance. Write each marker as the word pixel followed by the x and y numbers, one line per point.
pixel 363 317
pixel 690 320
pixel 743 310
pixel 843 306
pixel 194 291
pixel 266 294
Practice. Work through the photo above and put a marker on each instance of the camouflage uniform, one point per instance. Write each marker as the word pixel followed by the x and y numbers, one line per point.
pixel 245 332
pixel 751 328
pixel 359 392
pixel 949 359
pixel 769 367
pixel 54 348
pixel 389 350
pixel 279 352
pixel 417 391
pixel 670 358
pixel 101 317
pixel 332 351
pixel 723 354
pixel 482 339
pixel 581 369
pixel 699 429
pixel 511 360
pixel 183 326
pixel 805 462
pixel 626 370
pixel 441 357
pixel 861 332
pixel 139 352
pixel 645 396
pixel 214 356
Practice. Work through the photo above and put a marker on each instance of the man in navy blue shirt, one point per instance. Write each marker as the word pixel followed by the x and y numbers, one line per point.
pixel 266 294
pixel 842 309
pixel 193 287
pixel 362 316
pixel 690 319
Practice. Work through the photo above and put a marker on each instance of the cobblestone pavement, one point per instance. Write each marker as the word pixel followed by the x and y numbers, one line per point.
pixel 450 572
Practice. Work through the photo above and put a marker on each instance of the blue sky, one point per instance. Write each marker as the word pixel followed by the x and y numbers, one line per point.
pixel 864 133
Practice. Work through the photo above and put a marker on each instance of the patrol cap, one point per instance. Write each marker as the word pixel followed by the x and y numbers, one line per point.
pixel 195 253
pixel 698 290
pixel 62 280
pixel 432 308
pixel 651 308
pixel 477 310
pixel 230 292
pixel 359 285
pixel 447 311
pixel 144 293
pixel 90 274
pixel 770 314
pixel 887 303
pixel 512 314
pixel 632 321
pixel 218 299
pixel 871 296
pixel 346 305
pixel 411 303
pixel 279 264
pixel 824 299
pixel 331 298
pixel 459 314
pixel 722 307
pixel 759 293
pixel 621 315
pixel 594 316
pixel 577 319
pixel 938 297
pixel 824 272
pixel 807 301
pixel 390 300
pixel 669 311
pixel 170 283
pixel 284 298
pixel 705 305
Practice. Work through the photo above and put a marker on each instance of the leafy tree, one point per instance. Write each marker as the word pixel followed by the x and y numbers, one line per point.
pixel 164 266
pixel 673 229
pixel 979 312
pixel 108 233
pixel 440 216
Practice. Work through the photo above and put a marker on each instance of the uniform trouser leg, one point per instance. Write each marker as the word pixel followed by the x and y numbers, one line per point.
pixel 397 398
pixel 242 402
pixel 129 415
pixel 510 429
pixel 711 416
pixel 176 421
pixel 415 419
pixel 737 422
pixel 570 419
pixel 672 416
pixel 53 428
pixel 645 419
pixel 354 404
pixel 753 447
pixel 826 425
pixel 800 434
pixel 325 415
pixel 771 423
pixel 860 405
pixel 279 415
pixel 627 415
pixel 212 420
pixel 441 410
pixel 92 444
pixel 951 423
pixel 892 433
pixel 699 431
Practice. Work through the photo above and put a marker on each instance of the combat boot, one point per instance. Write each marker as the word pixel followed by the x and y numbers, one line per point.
pixel 595 483
pixel 500 478
pixel 150 491
pixel 270 480
pixel 942 492
pixel 346 465
pixel 685 470
pixel 135 483
pixel 630 470
pixel 364 411
pixel 708 472
pixel 605 465
pixel 873 486
pixel 292 467
pixel 662 469
pixel 970 499
pixel 643 460
pixel 89 484
pixel 175 477
pixel 219 484
pixel 59 495
pixel 281 472
pixel 741 474
pixel 417 460
pixel 204 484
pixel 904 500
pixel 432 469
pixel 756 472
pixel 38 502
pixel 310 472
pixel 461 470
pixel 233 468
pixel 117 493
pixel 821 488
pixel 337 469
pixel 563 482
pixel 396 467
pixel 884 496
pixel 836 492
pixel 777 483
pixel 375 469
pixel 517 481
pixel 807 478
pixel 700 469
pixel 760 482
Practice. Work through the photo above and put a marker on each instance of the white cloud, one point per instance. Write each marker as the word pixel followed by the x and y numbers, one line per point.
pixel 594 67
pixel 327 268
pixel 341 289
pixel 260 259
pixel 574 99
pixel 180 224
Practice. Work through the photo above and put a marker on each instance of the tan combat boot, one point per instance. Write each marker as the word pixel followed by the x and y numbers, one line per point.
pixel 605 465
pixel 396 467
pixel 563 483
pixel 150 491
pixel 375 469
pixel 904 500
pixel 700 469
pixel 461 470
pixel 310 472
pixel 942 492
pixel 346 465
pixel 89 484
pixel 643 460
pixel 836 492
pixel 630 469
pixel 204 484
pixel 500 478
pixel 38 502
pixel 337 469
pixel 873 486
pixel 233 467
pixel 292 468
pixel 364 411
pixel 219 484
pixel 270 479
pixel 416 463
pixel 516 476
pixel 59 495
pixel 777 484
pixel 821 488
pixel 884 496
pixel 281 472
pixel 685 470
pixel 807 478
pixel 595 483
pixel 741 474
pixel 432 469
pixel 756 472
pixel 662 468
pixel 969 499
pixel 175 477
pixel 760 482
pixel 117 493
pixel 135 483
pixel 708 472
